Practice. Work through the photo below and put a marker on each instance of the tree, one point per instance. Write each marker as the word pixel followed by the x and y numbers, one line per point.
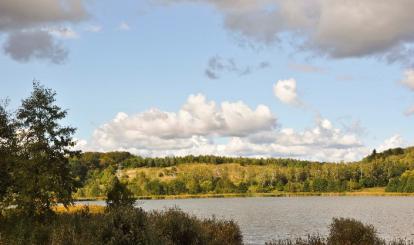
pixel 43 177
pixel 119 195
pixel 8 150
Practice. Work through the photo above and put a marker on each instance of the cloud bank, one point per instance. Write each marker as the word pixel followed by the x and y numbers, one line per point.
pixel 226 128
pixel 337 29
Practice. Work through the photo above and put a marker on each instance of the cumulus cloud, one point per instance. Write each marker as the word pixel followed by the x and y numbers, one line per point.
pixel 408 79
pixel 392 142
pixel 228 128
pixel 197 119
pixel 24 46
pixel 338 29
pixel 217 65
pixel 21 20
pixel 286 92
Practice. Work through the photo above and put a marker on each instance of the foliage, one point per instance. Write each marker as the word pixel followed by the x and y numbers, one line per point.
pixel 119 196
pixel 352 232
pixel 404 183
pixel 35 149
pixel 125 225
pixel 213 174
pixel 343 232
pixel 8 145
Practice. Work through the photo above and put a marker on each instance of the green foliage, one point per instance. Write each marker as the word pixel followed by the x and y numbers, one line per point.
pixel 255 175
pixel 405 183
pixel 119 226
pixel 248 176
pixel 343 232
pixel 34 149
pixel 352 232
pixel 119 196
pixel 8 145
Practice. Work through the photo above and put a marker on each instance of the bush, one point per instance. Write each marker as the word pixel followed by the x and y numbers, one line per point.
pixel 118 226
pixel 126 225
pixel 352 232
pixel 119 195
pixel 343 232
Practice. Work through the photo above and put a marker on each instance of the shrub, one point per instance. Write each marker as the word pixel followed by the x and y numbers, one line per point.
pixel 119 195
pixel 352 232
pixel 118 226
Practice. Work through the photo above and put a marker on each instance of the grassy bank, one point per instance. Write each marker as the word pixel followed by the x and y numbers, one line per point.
pixel 377 191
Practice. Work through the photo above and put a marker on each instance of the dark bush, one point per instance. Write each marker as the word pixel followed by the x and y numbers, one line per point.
pixel 352 232
pixel 124 226
pixel 343 232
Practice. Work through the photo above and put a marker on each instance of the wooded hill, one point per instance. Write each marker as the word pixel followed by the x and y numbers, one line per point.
pixel 393 169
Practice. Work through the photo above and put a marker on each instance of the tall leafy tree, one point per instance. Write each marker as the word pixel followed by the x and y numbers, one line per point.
pixel 43 178
pixel 8 153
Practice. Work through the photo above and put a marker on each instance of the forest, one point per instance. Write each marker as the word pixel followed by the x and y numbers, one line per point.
pixel 391 169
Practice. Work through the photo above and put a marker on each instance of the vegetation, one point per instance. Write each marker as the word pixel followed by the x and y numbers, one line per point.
pixel 206 175
pixel 36 176
pixel 34 152
pixel 344 232
pixel 39 170
pixel 124 225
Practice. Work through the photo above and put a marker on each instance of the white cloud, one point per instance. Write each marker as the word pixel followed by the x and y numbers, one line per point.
pixel 196 120
pixel 392 142
pixel 124 26
pixel 337 29
pixel 228 128
pixel 62 32
pixel 408 79
pixel 286 91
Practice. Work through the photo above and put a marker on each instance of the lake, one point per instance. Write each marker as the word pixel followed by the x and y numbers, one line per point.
pixel 262 219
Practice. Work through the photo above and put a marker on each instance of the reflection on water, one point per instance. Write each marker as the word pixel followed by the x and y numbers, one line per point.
pixel 265 218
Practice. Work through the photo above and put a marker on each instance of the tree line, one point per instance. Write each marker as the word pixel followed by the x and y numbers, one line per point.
pixel 210 174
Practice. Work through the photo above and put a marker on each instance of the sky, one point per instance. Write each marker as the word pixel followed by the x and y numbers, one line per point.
pixel 308 79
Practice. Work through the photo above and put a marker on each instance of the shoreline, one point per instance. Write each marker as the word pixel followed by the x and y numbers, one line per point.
pixel 272 194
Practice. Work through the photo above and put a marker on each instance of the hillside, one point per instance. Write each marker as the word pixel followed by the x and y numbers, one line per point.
pixel 391 169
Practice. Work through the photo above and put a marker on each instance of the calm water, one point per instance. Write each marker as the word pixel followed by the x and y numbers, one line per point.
pixel 267 218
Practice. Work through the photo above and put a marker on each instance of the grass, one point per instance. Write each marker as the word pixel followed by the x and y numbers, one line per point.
pixel 92 209
pixel 376 191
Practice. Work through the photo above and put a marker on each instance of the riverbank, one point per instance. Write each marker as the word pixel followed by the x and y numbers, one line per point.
pixel 377 191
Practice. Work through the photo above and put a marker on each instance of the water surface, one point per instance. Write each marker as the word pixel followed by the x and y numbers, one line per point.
pixel 262 219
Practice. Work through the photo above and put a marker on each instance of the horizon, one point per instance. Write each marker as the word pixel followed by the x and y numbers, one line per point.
pixel 230 78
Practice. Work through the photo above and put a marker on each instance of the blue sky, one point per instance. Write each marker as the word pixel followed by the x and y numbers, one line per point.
pixel 129 71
